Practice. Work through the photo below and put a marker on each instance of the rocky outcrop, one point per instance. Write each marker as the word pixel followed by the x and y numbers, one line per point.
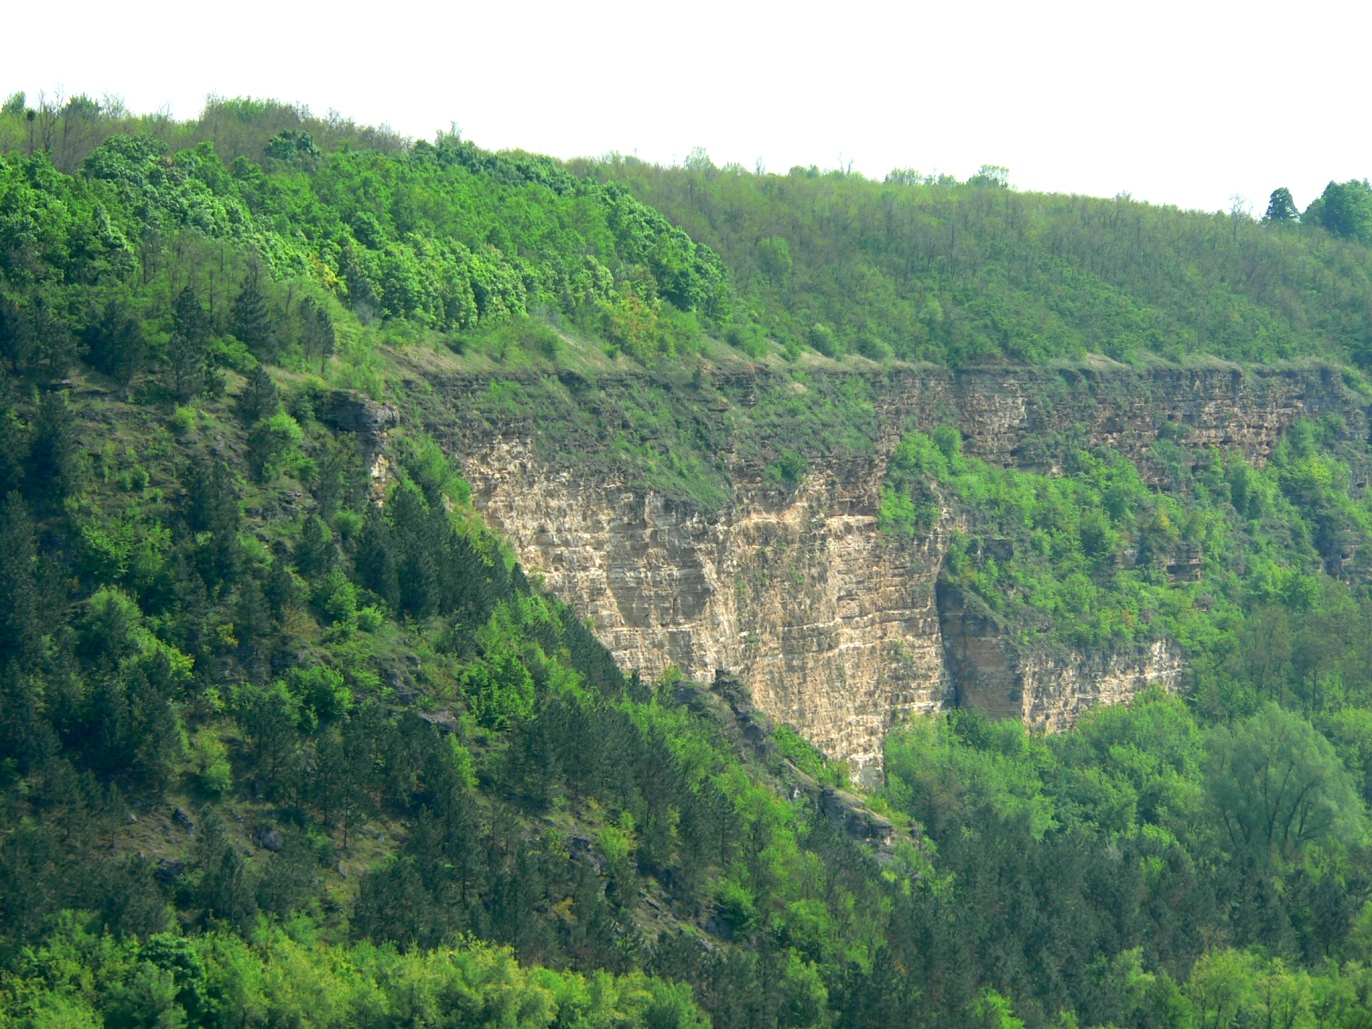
pixel 1046 687
pixel 831 624
pixel 837 628
pixel 728 703
pixel 349 411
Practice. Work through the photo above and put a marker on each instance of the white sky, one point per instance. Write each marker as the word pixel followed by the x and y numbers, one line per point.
pixel 1176 102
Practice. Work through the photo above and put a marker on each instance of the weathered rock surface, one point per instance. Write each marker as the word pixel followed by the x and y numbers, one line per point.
pixel 1045 687
pixel 836 628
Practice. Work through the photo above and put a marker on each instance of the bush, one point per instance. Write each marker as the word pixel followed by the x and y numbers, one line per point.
pixel 274 445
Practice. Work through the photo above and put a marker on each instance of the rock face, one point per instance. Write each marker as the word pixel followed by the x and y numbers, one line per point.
pixel 1043 688
pixel 836 628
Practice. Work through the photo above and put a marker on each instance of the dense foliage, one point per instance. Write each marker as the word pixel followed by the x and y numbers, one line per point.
pixel 1097 557
pixel 936 270
pixel 288 738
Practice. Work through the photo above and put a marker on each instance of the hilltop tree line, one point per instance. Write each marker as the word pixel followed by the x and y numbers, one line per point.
pixel 926 268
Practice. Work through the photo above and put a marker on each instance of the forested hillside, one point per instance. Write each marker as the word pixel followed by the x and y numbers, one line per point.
pixel 936 270
pixel 288 738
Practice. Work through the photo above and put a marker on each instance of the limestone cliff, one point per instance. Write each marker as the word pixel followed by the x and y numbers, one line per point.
pixel 836 628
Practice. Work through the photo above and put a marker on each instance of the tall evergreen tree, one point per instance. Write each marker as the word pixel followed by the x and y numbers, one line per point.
pixel 252 320
pixel 187 371
pixel 317 334
pixel 14 450
pixel 259 398
pixel 20 603
pixel 53 342
pixel 17 346
pixel 1281 208
pixel 224 891
pixel 115 344
pixel 376 566
pixel 316 553
pixel 55 461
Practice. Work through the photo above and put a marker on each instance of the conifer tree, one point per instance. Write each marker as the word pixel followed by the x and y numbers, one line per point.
pixel 52 338
pixel 259 398
pixel 1281 208
pixel 55 462
pixel 315 554
pixel 14 451
pixel 224 891
pixel 16 338
pixel 280 588
pixel 187 371
pixel 252 321
pixel 376 568
pixel 324 337
pixel 115 344
pixel 20 631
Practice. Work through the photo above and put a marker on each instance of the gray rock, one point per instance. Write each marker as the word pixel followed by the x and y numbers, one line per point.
pixel 271 839
pixel 168 869
pixel 183 820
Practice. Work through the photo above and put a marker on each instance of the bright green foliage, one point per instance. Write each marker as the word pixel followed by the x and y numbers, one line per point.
pixel 953 273
pixel 1096 557
pixel 274 443
pixel 1345 209
pixel 79 978
pixel 1143 829
pixel 394 746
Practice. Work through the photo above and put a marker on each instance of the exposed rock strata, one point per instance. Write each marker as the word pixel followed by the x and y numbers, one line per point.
pixel 1047 688
pixel 836 628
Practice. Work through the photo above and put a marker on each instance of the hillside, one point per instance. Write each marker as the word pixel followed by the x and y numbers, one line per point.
pixel 420 566
pixel 955 273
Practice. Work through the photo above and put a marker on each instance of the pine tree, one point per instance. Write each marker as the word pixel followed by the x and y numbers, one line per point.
pixel 325 339
pixel 317 335
pixel 55 461
pixel 252 321
pixel 315 554
pixel 224 892
pixel 115 344
pixel 280 588
pixel 259 398
pixel 187 371
pixel 17 346
pixel 211 501
pixel 1281 207
pixel 20 631
pixel 252 615
pixel 14 451
pixel 52 338
pixel 376 568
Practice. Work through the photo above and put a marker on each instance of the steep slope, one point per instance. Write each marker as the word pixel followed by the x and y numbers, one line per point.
pixel 839 626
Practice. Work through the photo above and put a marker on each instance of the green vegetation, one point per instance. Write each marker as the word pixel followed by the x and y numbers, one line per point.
pixel 78 979
pixel 1191 876
pixel 1096 557
pixel 928 269
pixel 273 752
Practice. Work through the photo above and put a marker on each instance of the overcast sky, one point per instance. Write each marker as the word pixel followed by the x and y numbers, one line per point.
pixel 1185 103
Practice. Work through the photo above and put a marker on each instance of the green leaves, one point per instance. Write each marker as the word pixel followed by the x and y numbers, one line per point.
pixel 1345 209
pixel 1278 786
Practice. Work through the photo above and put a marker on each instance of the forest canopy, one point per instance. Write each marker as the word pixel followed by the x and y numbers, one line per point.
pixel 289 738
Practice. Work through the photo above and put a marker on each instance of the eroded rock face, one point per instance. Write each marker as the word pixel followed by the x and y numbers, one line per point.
pixel 1043 686
pixel 832 625
pixel 837 628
